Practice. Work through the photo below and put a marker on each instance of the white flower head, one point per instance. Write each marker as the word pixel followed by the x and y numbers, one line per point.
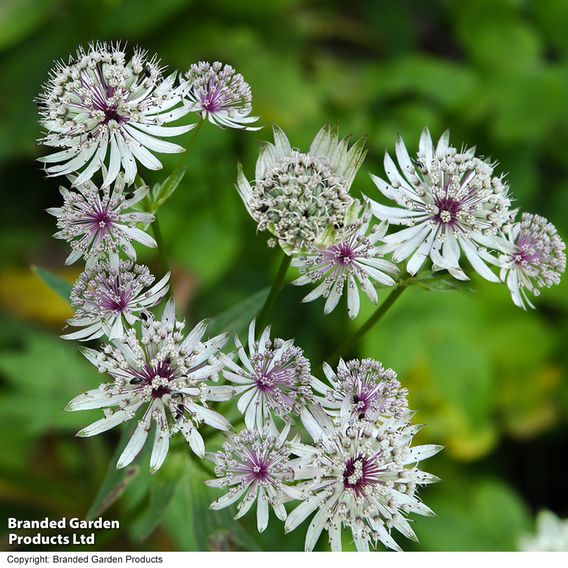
pixel 104 107
pixel 534 258
pixel 273 379
pixel 112 295
pixel 354 261
pixel 551 534
pixel 166 373
pixel 255 466
pixel 451 202
pixel 362 389
pixel 303 199
pixel 363 478
pixel 99 222
pixel 219 94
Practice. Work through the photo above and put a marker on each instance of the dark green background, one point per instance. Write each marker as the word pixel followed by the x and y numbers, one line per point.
pixel 488 379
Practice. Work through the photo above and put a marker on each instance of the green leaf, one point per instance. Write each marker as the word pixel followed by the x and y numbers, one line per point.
pixel 19 18
pixel 209 244
pixel 44 373
pixel 194 526
pixel 237 318
pixel 60 286
pixel 162 488
pixel 162 191
pixel 116 480
pixel 479 514
pixel 437 282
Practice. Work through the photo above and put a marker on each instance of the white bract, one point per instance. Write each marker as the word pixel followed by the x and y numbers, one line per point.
pixel 97 223
pixel 112 295
pixel 272 379
pixel 451 203
pixel 533 258
pixel 219 94
pixel 255 467
pixel 303 198
pixel 354 261
pixel 362 389
pixel 167 374
pixel 362 477
pixel 105 108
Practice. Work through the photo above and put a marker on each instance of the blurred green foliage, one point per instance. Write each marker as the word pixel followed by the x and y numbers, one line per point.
pixel 487 379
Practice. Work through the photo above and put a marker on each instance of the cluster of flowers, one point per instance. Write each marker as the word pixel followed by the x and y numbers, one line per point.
pixel 106 113
pixel 450 202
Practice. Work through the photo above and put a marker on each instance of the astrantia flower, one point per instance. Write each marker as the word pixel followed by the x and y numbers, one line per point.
pixel 273 379
pixel 104 103
pixel 451 202
pixel 363 478
pixel 362 389
pixel 164 372
pixel 534 259
pixel 255 466
pixel 220 94
pixel 551 534
pixel 355 260
pixel 96 223
pixel 302 199
pixel 112 295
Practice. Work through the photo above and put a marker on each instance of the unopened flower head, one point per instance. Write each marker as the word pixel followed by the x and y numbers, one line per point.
pixel 355 261
pixel 220 94
pixel 255 466
pixel 303 199
pixel 452 203
pixel 534 258
pixel 97 223
pixel 363 478
pixel 164 372
pixel 273 378
pixel 551 534
pixel 104 103
pixel 112 295
pixel 362 389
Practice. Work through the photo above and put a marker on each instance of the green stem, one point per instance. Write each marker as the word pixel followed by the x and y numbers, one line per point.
pixel 277 285
pixel 375 317
pixel 161 244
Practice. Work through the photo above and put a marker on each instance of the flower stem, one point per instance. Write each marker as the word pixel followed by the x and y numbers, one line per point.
pixel 375 317
pixel 277 285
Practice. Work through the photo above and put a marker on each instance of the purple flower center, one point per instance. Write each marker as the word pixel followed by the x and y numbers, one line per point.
pixel 345 254
pixel 112 114
pixel 101 99
pixel 274 379
pixel 101 220
pixel 118 304
pixel 340 254
pixel 213 99
pixel 527 251
pixel 258 468
pixel 361 401
pixel 360 472
pixel 155 377
pixel 448 210
pixel 264 382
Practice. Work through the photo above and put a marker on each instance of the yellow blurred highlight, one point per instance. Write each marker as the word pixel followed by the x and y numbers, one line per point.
pixel 24 295
pixel 536 410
